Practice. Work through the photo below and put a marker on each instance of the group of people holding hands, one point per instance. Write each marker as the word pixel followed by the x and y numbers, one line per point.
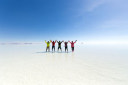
pixel 59 45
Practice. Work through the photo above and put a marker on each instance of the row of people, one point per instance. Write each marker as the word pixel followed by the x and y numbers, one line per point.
pixel 59 45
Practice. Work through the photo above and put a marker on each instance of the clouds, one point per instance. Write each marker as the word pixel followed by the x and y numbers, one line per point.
pixel 104 19
pixel 115 24
pixel 76 18
pixel 93 4
pixel 82 7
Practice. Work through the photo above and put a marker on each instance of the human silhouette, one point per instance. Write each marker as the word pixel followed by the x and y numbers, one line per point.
pixel 66 46
pixel 53 45
pixel 72 45
pixel 48 46
pixel 59 45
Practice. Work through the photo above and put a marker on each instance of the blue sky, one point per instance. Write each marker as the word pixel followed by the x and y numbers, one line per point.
pixel 37 20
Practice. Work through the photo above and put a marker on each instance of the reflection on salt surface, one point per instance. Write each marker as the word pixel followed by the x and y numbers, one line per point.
pixel 88 65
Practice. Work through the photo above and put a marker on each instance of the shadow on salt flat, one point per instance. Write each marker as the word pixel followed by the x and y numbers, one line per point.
pixel 54 52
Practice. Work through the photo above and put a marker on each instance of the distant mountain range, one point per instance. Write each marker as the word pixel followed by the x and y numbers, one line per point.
pixel 20 43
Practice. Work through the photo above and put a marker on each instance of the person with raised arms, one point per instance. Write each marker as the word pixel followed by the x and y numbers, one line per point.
pixel 72 45
pixel 59 45
pixel 66 46
pixel 48 46
pixel 53 45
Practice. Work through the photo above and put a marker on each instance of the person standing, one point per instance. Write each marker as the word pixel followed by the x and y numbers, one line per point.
pixel 66 46
pixel 72 45
pixel 59 45
pixel 48 46
pixel 53 45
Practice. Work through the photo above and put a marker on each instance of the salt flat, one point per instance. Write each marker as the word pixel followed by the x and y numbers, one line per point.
pixel 88 65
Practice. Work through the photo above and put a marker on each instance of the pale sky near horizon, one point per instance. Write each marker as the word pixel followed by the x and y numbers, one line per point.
pixel 36 20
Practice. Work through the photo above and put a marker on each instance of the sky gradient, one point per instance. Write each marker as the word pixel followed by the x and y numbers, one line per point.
pixel 37 20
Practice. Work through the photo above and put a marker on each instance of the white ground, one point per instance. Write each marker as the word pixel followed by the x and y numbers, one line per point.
pixel 88 65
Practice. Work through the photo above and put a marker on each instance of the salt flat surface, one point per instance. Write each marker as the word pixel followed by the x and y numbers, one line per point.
pixel 88 65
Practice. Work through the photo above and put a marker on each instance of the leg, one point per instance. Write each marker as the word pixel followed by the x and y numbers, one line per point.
pixel 73 49
pixel 58 48
pixel 46 49
pixel 52 48
pixel 49 49
pixel 61 49
pixel 66 49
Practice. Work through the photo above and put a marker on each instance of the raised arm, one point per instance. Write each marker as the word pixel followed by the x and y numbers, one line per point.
pixel 62 41
pixel 75 41
pixel 45 42
pixel 69 41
